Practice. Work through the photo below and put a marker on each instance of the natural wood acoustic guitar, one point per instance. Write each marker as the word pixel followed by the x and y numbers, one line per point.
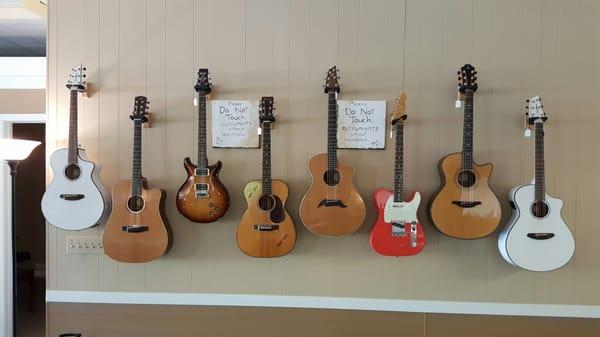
pixel 202 197
pixel 137 230
pixel 266 228
pixel 332 206
pixel 465 207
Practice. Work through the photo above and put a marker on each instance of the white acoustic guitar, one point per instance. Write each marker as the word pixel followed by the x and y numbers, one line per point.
pixel 536 237
pixel 75 199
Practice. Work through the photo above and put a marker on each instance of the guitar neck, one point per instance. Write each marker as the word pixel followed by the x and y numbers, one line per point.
pixel 399 164
pixel 266 173
pixel 540 193
pixel 202 168
pixel 136 174
pixel 73 141
pixel 332 131
pixel 467 150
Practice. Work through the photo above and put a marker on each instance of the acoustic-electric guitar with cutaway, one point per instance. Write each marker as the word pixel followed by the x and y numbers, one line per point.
pixel 536 237
pixel 202 197
pixel 137 230
pixel 75 199
pixel 397 231
pixel 465 207
pixel 266 228
pixel 332 206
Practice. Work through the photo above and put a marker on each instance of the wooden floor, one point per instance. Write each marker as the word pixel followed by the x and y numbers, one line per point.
pixel 102 320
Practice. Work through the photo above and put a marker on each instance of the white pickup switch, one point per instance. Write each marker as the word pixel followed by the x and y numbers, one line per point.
pixel 84 245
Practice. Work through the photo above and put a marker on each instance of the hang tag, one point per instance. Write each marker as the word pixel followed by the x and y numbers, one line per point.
pixel 195 101
pixel 391 134
pixel 527 133
pixel 259 131
pixel 458 104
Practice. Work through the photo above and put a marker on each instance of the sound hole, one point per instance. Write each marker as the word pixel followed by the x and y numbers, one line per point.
pixel 135 203
pixel 72 172
pixel 331 177
pixel 466 178
pixel 539 209
pixel 266 202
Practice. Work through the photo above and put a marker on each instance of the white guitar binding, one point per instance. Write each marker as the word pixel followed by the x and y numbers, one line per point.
pixel 536 237
pixel 75 199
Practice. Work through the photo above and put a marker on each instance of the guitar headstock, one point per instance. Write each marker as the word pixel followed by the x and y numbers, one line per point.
pixel 535 110
pixel 76 79
pixel 140 109
pixel 467 78
pixel 332 83
pixel 399 113
pixel 203 85
pixel 265 110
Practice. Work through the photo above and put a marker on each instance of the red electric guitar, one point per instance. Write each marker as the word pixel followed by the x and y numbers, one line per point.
pixel 397 231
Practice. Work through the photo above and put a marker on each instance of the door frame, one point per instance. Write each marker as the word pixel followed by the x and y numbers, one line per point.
pixel 6 122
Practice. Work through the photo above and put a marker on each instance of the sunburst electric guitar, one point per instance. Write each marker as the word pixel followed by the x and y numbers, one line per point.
pixel 202 197
pixel 266 228
pixel 397 231
pixel 137 230
pixel 465 207
pixel 536 237
pixel 332 206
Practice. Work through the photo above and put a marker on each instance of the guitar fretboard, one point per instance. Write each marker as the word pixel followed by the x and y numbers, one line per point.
pixel 73 141
pixel 266 173
pixel 467 150
pixel 540 193
pixel 202 169
pixel 399 164
pixel 332 131
pixel 136 174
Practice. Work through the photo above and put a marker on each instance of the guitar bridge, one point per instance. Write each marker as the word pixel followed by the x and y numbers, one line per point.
pixel 134 229
pixel 265 228
pixel 201 190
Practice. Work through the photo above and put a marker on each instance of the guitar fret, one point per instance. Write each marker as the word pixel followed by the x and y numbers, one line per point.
pixel 467 151
pixel 266 138
pixel 540 193
pixel 73 141
pixel 202 168
pixel 332 131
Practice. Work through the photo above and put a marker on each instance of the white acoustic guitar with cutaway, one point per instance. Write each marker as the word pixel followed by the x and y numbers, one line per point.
pixel 75 199
pixel 536 237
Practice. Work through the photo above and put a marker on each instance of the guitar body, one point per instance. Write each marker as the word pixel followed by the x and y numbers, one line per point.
pixel 464 212
pixel 266 233
pixel 390 241
pixel 347 216
pixel 154 236
pixel 207 208
pixel 79 203
pixel 550 249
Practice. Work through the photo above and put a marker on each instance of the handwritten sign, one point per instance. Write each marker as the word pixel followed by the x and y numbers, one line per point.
pixel 361 124
pixel 235 124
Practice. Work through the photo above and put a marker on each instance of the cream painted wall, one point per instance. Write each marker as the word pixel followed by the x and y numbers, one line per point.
pixel 283 48
pixel 22 101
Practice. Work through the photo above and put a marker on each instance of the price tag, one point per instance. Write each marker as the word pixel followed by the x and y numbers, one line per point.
pixel 259 130
pixel 527 133
pixel 195 101
pixel 458 104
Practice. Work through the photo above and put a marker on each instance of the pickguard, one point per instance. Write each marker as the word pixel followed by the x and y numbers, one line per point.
pixel 401 211
pixel 277 214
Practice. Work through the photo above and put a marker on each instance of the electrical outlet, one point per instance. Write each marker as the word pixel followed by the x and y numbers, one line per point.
pixel 84 245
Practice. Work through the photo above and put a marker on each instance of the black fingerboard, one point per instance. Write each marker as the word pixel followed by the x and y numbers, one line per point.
pixel 266 148
pixel 73 141
pixel 332 131
pixel 136 174
pixel 467 150
pixel 202 168
pixel 540 192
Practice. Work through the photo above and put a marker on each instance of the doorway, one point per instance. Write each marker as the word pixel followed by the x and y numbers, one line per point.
pixel 30 230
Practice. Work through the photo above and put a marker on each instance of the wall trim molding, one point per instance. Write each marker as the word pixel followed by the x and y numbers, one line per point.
pixel 317 302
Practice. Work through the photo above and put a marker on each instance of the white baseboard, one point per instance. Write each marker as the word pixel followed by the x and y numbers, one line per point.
pixel 314 302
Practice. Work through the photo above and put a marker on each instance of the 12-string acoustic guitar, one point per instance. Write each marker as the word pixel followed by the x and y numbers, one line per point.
pixel 332 206
pixel 202 197
pixel 397 231
pixel 465 207
pixel 536 237
pixel 266 228
pixel 75 199
pixel 137 230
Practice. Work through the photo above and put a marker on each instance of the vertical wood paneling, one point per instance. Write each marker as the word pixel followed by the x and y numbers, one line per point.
pixel 284 48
